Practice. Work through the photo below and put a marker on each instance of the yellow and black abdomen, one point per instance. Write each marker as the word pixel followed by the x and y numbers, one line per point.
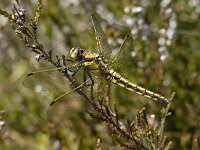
pixel 116 78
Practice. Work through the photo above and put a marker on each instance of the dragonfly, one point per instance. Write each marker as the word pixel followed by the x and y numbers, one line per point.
pixel 103 63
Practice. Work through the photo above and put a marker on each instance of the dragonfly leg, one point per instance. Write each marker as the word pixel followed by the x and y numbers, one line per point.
pixel 84 75
pixel 74 66
pixel 91 85
pixel 73 72
pixel 70 60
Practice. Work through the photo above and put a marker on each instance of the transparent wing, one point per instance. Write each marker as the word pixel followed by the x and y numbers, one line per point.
pixel 123 59
pixel 102 43
pixel 67 107
pixel 72 104
pixel 100 84
pixel 45 81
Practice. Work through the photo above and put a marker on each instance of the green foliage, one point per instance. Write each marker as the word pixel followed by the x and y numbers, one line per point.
pixel 165 58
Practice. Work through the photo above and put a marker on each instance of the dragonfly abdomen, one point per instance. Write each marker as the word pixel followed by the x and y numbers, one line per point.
pixel 116 78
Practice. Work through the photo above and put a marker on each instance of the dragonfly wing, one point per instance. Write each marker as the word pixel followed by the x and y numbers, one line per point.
pixel 69 101
pixel 45 81
pixel 99 86
pixel 122 59
pixel 102 42
pixel 68 106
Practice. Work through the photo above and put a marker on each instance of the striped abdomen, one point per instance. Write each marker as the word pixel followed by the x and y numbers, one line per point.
pixel 116 78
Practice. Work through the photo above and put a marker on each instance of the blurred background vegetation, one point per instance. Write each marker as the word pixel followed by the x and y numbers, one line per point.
pixel 165 58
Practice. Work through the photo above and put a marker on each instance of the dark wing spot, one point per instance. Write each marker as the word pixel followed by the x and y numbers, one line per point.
pixel 30 74
pixel 52 103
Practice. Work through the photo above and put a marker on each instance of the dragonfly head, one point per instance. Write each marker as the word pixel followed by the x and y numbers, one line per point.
pixel 76 53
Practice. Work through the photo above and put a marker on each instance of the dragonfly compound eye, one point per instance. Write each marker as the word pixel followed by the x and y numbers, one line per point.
pixel 81 51
pixel 80 54
pixel 74 53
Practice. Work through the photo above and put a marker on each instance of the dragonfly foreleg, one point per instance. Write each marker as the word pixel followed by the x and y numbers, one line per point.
pixel 73 68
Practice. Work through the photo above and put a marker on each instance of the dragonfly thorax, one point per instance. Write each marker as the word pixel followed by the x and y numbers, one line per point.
pixel 77 53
